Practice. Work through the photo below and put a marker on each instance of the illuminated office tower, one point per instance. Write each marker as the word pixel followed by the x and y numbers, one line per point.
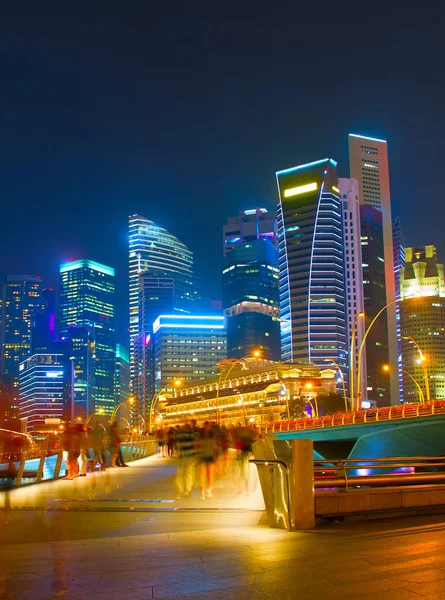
pixel 422 322
pixel 154 253
pixel 86 317
pixel 312 283
pixel 250 284
pixel 43 323
pixel 122 374
pixel 20 302
pixel 377 352
pixel 187 348
pixel 41 390
pixel 353 277
pixel 399 262
pixel 253 224
pixel 368 160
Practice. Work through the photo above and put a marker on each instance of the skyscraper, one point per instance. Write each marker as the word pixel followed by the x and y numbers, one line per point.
pixel 399 262
pixel 43 323
pixel 41 389
pixel 312 284
pixel 20 302
pixel 353 277
pixel 160 270
pixel 250 285
pixel 187 348
pixel 253 224
pixel 377 353
pixel 86 316
pixel 422 323
pixel 122 374
pixel 368 159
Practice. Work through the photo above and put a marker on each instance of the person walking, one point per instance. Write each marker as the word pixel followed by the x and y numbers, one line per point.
pixel 185 474
pixel 72 446
pixel 98 439
pixel 84 450
pixel 206 460
pixel 114 443
pixel 171 441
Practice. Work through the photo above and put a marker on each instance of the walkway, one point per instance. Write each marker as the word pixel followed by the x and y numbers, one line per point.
pixel 115 551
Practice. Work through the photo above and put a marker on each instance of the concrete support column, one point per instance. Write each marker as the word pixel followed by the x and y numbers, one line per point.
pixel 302 485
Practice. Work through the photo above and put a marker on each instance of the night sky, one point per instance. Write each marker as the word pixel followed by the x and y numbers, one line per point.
pixel 184 113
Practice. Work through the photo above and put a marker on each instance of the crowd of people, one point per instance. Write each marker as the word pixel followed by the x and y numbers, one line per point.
pixel 208 447
pixel 88 446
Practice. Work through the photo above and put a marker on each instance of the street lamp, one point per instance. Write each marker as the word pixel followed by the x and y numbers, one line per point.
pixel 342 380
pixel 153 403
pixel 362 345
pixel 387 368
pixel 352 363
pixel 422 363
pixel 314 406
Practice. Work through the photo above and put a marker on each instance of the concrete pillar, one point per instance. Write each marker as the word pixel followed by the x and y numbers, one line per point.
pixel 302 485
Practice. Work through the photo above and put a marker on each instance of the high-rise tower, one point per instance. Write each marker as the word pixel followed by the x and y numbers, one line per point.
pixel 160 268
pixel 312 283
pixel 20 302
pixel 422 323
pixel 368 160
pixel 86 318
pixel 250 284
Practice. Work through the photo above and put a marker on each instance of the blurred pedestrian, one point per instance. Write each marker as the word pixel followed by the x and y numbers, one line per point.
pixel 245 436
pixel 171 440
pixel 98 438
pixel 72 446
pixel 161 437
pixel 185 475
pixel 84 451
pixel 207 460
pixel 114 443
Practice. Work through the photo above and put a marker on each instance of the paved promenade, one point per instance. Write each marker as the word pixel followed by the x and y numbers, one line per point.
pixel 118 550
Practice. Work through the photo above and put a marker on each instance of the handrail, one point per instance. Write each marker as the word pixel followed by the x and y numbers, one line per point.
pixel 385 413
pixel 285 468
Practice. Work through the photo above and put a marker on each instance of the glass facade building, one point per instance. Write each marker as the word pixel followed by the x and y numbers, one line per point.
pixel 422 318
pixel 374 292
pixel 399 263
pixel 41 389
pixel 187 348
pixel 86 317
pixel 122 374
pixel 311 264
pixel 251 299
pixel 21 298
pixel 161 281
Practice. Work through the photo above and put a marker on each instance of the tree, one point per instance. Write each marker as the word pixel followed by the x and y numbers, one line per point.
pixel 330 403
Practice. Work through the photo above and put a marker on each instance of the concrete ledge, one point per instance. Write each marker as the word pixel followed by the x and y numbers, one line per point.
pixel 378 499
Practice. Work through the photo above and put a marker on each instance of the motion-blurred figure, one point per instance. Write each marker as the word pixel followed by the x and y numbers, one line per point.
pixel 84 451
pixel 72 446
pixel 114 443
pixel 207 449
pixel 244 438
pixel 185 475
pixel 98 439
pixel 161 437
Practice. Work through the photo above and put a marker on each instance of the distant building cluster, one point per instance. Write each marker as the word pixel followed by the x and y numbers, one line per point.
pixel 325 282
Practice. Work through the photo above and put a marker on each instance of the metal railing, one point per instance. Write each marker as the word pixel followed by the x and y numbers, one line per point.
pixel 386 413
pixel 284 468
pixel 14 468
pixel 334 473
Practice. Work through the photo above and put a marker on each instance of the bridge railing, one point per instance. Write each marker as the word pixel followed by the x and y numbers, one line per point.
pixel 25 467
pixel 386 413
pixel 378 472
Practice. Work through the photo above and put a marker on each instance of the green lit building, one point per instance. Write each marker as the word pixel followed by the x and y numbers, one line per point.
pixel 86 320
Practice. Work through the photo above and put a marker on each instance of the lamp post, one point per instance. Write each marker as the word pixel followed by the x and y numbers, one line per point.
pixel 422 363
pixel 255 354
pixel 362 345
pixel 352 362
pixel 421 396
pixel 314 406
pixel 342 380
pixel 153 403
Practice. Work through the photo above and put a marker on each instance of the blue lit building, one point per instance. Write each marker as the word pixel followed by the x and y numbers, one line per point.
pixel 399 263
pixel 86 318
pixel 251 298
pixel 43 323
pixel 187 348
pixel 311 263
pixel 41 390
pixel 161 281
pixel 20 301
